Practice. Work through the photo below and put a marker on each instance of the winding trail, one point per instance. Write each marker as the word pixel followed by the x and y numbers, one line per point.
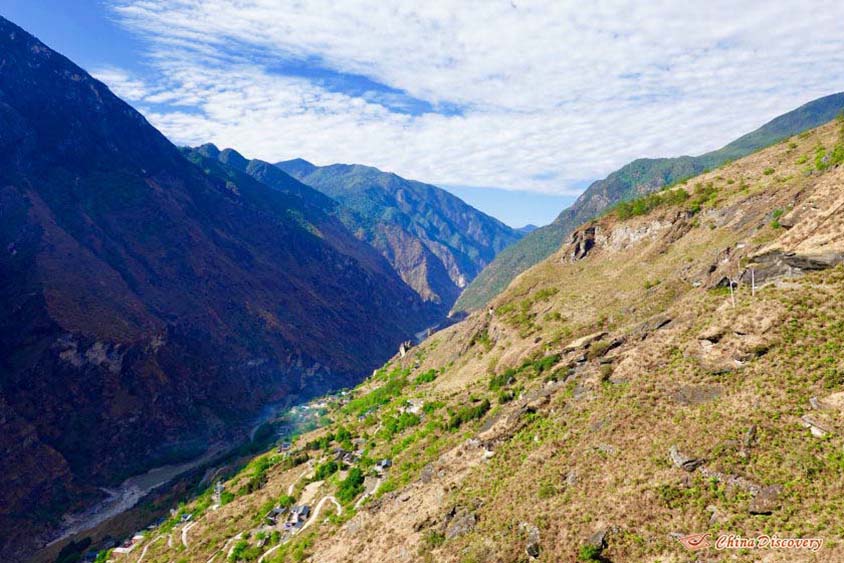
pixel 299 478
pixel 228 541
pixel 318 508
pixel 310 521
pixel 368 494
pixel 147 546
pixel 185 533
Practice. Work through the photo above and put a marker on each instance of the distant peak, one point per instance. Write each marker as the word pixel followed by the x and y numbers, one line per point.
pixel 297 167
pixel 298 162
pixel 208 150
pixel 233 159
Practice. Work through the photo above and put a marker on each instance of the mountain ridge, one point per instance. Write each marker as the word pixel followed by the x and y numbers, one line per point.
pixel 437 242
pixel 640 176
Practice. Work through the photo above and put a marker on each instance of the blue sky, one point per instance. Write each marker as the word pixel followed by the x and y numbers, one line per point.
pixel 520 104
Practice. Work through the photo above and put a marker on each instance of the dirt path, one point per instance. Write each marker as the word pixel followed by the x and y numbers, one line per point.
pixel 319 508
pixel 185 531
pixel 147 546
pixel 293 484
pixel 368 493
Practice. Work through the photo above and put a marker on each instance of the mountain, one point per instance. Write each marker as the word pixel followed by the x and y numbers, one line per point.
pixel 527 229
pixel 674 371
pixel 149 309
pixel 639 177
pixel 435 241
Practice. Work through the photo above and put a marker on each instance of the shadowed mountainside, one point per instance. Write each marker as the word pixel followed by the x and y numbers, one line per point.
pixel 148 308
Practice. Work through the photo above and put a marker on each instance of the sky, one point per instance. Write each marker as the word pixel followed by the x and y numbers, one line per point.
pixel 516 106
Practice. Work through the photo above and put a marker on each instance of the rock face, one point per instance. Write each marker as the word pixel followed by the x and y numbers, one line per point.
pixel 435 241
pixel 148 307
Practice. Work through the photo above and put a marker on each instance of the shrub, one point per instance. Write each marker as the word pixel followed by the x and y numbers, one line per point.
pixel 467 413
pixel 395 424
pixel 768 171
pixel 326 470
pixel 589 553
pixel 434 539
pixel 644 205
pixel 351 486
pixel 426 377
pixel 775 218
pixel 503 379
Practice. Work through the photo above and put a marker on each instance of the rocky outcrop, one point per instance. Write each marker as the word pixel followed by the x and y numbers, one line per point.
pixel 683 461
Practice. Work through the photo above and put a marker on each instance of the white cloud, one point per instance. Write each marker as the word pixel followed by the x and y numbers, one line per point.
pixel 551 92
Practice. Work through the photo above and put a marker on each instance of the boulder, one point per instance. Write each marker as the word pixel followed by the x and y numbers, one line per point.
pixel 598 540
pixel 766 500
pixel 815 427
pixel 532 548
pixel 460 521
pixel 683 461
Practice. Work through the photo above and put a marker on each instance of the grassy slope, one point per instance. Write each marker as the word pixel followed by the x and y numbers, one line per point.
pixel 583 445
pixel 639 177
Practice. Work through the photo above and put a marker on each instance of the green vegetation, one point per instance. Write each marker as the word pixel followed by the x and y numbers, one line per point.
pixel 242 551
pixel 775 218
pixel 589 553
pixel 503 379
pixel 326 470
pixel 468 413
pixel 434 539
pixel 392 425
pixel 426 377
pixel 257 470
pixel 396 382
pixel 645 204
pixel 351 486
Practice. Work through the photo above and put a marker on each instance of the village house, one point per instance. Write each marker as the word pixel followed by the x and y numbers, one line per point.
pixel 383 465
pixel 298 516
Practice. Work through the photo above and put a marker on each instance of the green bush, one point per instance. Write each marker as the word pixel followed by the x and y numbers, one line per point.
pixel 426 377
pixel 503 379
pixel 351 486
pixel 589 553
pixel 467 413
pixel 434 539
pixel 325 470
pixel 394 424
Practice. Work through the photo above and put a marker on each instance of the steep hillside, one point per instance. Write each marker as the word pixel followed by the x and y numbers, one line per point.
pixel 436 242
pixel 676 368
pixel 149 310
pixel 637 178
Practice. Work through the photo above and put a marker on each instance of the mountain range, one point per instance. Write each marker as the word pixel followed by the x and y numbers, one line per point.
pixel 639 177
pixel 154 299
pixel 436 242
pixel 672 374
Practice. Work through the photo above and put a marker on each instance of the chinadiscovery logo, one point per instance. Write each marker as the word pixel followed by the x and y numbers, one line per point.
pixel 695 542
